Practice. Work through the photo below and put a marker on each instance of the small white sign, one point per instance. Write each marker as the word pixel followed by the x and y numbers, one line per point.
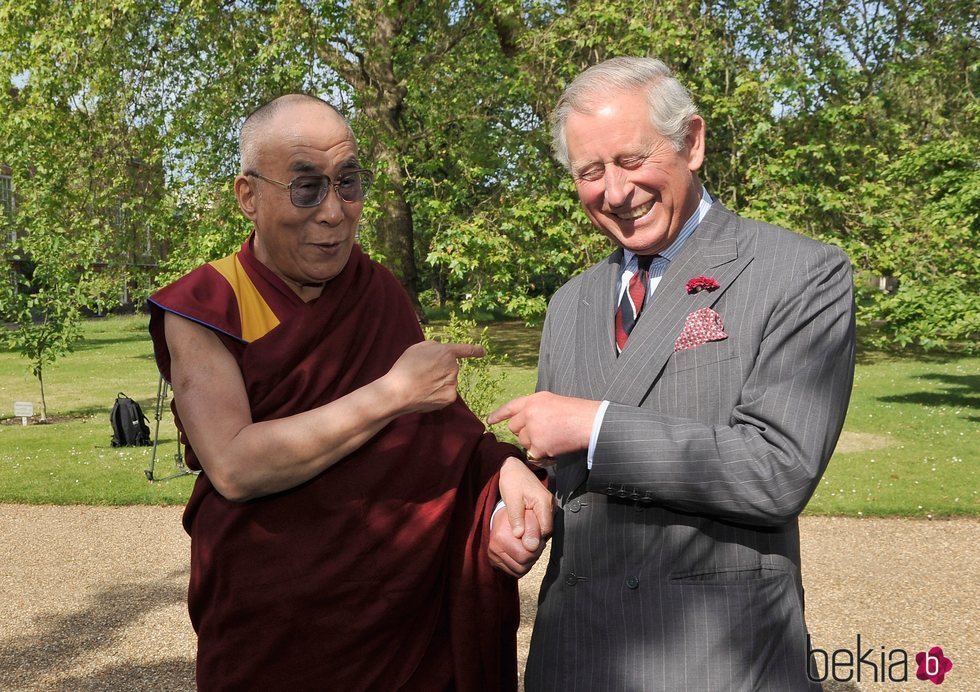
pixel 23 409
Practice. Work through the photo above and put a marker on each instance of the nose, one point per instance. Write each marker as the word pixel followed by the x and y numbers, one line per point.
pixel 617 186
pixel 331 209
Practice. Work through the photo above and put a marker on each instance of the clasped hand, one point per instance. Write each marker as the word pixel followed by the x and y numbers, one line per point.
pixel 522 527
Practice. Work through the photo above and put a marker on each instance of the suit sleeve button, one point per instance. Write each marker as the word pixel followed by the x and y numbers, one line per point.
pixel 632 582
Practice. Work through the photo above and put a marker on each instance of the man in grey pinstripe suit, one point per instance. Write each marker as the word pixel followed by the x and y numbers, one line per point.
pixel 681 463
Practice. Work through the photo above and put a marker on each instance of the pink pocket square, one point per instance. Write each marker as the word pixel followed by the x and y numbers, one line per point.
pixel 701 326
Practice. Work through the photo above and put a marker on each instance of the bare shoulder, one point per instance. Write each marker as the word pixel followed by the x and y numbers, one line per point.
pixel 183 333
pixel 198 356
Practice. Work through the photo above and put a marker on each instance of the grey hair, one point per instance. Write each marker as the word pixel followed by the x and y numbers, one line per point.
pixel 671 105
pixel 250 136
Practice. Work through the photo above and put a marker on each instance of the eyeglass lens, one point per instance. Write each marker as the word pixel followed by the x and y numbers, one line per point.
pixel 309 191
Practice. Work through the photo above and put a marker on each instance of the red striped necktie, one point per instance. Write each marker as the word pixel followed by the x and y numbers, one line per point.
pixel 632 301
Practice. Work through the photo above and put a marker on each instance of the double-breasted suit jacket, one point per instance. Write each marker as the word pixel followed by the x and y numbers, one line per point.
pixel 675 563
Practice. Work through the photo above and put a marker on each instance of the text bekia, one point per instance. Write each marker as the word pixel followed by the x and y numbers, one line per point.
pixel 868 665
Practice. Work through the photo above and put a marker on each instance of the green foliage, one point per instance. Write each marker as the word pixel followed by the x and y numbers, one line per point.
pixel 45 327
pixel 510 260
pixel 852 121
pixel 479 378
pixel 875 150
pixel 933 255
pixel 44 299
pixel 85 176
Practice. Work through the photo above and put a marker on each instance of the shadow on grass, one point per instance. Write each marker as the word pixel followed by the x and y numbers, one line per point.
pixel 84 412
pixel 97 341
pixel 872 356
pixel 61 641
pixel 517 341
pixel 148 404
pixel 961 391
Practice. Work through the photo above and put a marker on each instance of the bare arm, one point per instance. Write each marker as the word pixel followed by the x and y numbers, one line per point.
pixel 244 459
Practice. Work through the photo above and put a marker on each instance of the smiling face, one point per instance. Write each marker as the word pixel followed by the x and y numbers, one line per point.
pixel 633 184
pixel 304 247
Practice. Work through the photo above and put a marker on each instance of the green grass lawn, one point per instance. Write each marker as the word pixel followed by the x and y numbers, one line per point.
pixel 70 460
pixel 911 440
pixel 910 446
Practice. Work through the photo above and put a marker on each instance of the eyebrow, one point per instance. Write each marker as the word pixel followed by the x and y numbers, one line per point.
pixel 303 167
pixel 308 167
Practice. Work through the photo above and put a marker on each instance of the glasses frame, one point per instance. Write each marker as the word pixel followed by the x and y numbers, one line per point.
pixel 366 175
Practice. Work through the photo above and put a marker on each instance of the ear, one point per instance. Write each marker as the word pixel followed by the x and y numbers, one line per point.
pixel 245 194
pixel 694 143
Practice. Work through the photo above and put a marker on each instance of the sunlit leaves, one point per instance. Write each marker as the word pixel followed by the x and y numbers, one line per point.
pixel 852 121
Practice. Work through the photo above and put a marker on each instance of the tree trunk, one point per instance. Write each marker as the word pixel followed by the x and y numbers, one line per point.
pixel 381 96
pixel 44 405
pixel 396 234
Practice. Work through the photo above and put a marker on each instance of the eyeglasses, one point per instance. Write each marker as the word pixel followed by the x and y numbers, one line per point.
pixel 309 190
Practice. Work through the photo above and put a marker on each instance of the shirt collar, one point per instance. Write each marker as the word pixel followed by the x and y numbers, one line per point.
pixel 704 204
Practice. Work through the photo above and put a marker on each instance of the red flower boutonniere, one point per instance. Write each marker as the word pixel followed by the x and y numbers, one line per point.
pixel 701 283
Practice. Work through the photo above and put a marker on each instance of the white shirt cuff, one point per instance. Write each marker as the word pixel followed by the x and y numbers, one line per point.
pixel 596 425
pixel 500 506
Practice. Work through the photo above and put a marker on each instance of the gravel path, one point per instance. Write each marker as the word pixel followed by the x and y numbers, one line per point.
pixel 93 598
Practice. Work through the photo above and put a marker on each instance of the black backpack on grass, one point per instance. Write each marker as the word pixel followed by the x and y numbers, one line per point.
pixel 129 425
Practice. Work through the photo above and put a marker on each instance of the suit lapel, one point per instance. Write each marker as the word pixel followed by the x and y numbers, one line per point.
pixel 711 251
pixel 597 358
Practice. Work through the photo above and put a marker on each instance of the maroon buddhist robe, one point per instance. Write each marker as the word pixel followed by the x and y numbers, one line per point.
pixel 373 575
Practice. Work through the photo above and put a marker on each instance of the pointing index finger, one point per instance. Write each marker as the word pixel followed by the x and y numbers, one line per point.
pixel 506 411
pixel 466 350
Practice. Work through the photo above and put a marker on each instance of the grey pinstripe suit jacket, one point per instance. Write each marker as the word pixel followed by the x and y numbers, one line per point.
pixel 675 562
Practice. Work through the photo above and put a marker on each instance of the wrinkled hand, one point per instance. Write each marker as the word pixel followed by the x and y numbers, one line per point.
pixel 547 424
pixel 520 530
pixel 508 553
pixel 424 378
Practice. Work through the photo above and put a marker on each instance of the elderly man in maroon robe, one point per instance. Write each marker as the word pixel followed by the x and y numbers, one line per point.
pixel 340 528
